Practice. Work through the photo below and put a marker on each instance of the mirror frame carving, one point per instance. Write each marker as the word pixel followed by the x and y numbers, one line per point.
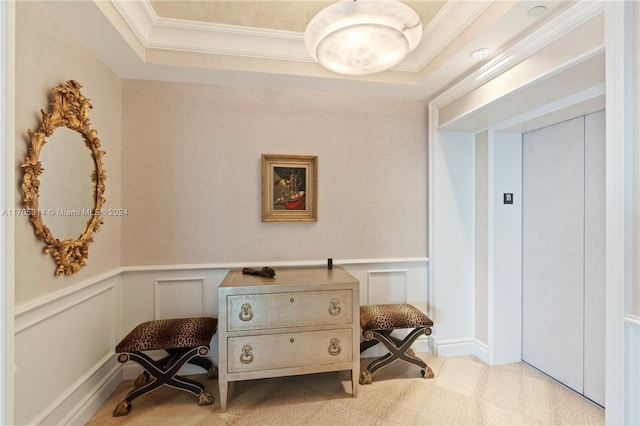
pixel 69 109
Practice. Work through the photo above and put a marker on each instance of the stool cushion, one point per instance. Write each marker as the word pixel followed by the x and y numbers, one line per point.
pixel 169 334
pixel 392 316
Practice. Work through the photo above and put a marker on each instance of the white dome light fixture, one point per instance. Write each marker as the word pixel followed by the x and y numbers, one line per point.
pixel 358 37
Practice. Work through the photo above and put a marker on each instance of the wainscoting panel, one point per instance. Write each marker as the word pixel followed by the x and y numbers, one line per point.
pixel 393 281
pixel 168 293
pixel 149 293
pixel 180 298
pixel 65 353
pixel 387 286
pixel 65 344
pixel 152 294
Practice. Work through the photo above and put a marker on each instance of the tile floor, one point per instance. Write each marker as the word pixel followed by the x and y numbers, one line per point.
pixel 465 391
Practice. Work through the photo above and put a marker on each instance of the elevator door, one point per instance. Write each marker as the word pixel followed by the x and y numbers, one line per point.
pixel 563 253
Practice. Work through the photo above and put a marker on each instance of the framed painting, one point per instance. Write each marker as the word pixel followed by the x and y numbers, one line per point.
pixel 289 188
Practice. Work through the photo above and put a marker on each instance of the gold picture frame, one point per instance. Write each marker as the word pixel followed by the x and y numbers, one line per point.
pixel 289 188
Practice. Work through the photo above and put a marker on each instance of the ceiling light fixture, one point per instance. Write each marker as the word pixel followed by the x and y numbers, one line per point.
pixel 358 37
pixel 479 53
pixel 536 11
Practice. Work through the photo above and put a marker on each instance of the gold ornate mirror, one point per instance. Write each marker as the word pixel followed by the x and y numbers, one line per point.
pixel 66 128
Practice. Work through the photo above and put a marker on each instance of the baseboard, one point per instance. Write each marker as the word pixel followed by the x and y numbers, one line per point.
pixel 422 345
pixel 461 347
pixel 481 350
pixel 80 401
pixel 103 391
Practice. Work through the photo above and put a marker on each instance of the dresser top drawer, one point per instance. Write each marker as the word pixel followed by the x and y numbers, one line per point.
pixel 291 309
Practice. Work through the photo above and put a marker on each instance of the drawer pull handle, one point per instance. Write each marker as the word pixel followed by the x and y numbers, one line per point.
pixel 291 300
pixel 334 308
pixel 334 347
pixel 246 314
pixel 246 357
pixel 291 340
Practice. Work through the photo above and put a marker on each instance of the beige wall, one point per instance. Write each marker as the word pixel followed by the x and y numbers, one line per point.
pixel 191 166
pixel 47 55
pixel 192 179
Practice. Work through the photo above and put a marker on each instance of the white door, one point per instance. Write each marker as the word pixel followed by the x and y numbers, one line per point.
pixel 553 251
pixel 563 229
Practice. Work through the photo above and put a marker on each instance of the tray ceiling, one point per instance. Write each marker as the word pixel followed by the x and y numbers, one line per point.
pixel 261 44
pixel 275 15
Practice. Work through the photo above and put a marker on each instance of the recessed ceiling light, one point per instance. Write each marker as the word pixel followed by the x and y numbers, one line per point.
pixel 479 53
pixel 536 11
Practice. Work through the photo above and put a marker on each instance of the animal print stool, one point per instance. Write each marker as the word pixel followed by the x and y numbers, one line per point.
pixel 186 340
pixel 378 321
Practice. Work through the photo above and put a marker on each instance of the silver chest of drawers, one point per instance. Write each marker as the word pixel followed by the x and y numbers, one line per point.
pixel 305 320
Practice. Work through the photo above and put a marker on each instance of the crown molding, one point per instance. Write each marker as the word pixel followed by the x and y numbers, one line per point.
pixel 139 16
pixel 561 25
pixel 190 51
pixel 155 32
pixel 448 24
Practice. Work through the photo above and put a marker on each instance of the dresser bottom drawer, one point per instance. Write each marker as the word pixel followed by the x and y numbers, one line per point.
pixel 285 350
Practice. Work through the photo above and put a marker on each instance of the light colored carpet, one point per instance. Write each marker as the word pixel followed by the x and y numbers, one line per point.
pixel 465 391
